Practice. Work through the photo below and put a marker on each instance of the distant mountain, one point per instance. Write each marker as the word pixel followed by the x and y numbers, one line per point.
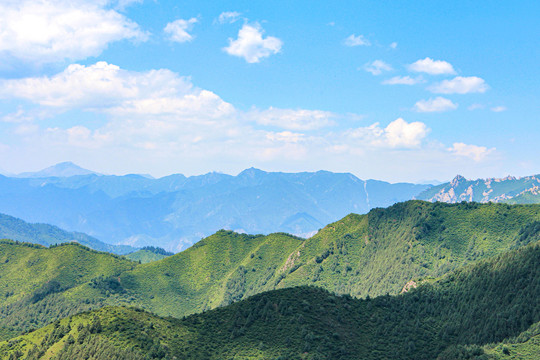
pixel 46 235
pixel 65 169
pixel 175 211
pixel 524 190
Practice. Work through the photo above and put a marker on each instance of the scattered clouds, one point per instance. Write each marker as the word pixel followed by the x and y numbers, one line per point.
pixel 228 17
pixel 178 30
pixel 439 104
pixel 498 108
pixel 52 31
pixel 403 80
pixel 294 119
pixel 476 153
pixel 160 118
pixel 432 67
pixel 460 85
pixel 393 45
pixel 354 40
pixel 377 67
pixel 251 45
pixel 398 134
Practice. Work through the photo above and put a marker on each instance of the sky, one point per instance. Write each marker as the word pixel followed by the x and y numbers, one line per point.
pixel 393 90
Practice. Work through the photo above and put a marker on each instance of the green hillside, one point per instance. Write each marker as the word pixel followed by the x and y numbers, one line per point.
pixel 148 254
pixel 211 273
pixel 494 301
pixel 360 255
pixel 35 281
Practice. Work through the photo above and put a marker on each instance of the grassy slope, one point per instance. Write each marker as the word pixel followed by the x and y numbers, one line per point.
pixel 144 256
pixel 197 278
pixel 35 281
pixel 485 303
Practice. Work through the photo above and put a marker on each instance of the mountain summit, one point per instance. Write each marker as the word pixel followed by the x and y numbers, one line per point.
pixel 63 169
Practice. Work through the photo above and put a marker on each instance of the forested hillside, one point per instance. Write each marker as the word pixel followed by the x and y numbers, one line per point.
pixel 35 282
pixel 455 317
pixel 360 255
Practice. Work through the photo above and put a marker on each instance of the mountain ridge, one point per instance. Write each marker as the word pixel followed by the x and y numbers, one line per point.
pixel 175 211
pixel 509 189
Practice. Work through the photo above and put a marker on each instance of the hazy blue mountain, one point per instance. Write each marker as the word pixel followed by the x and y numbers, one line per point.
pixel 175 211
pixel 63 169
pixel 45 234
pixel 524 190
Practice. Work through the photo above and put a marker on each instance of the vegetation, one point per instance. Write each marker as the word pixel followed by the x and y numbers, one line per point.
pixel 488 310
pixel 360 255
pixel 148 254
pixel 36 282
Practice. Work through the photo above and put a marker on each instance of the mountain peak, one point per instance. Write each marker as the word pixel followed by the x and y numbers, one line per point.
pixel 251 172
pixel 63 169
pixel 457 180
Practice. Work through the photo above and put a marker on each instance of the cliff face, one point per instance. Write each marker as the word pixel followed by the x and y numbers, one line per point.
pixel 507 189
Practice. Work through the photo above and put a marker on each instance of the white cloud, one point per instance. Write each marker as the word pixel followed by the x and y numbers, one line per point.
pixel 432 67
pixel 356 40
pixel 403 80
pixel 498 108
pixel 293 119
pixel 398 134
pixel 51 31
pixel 393 45
pixel 251 45
pixel 107 88
pixel 476 153
pixel 228 17
pixel 460 85
pixel 439 104
pixel 377 67
pixel 178 30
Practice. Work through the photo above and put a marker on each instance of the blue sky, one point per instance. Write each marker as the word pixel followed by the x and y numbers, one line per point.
pixel 393 90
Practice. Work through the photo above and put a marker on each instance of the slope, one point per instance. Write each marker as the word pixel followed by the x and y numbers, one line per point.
pixel 35 281
pixel 485 303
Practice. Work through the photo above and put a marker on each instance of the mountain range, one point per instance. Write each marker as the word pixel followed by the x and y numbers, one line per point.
pixel 417 280
pixel 175 211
